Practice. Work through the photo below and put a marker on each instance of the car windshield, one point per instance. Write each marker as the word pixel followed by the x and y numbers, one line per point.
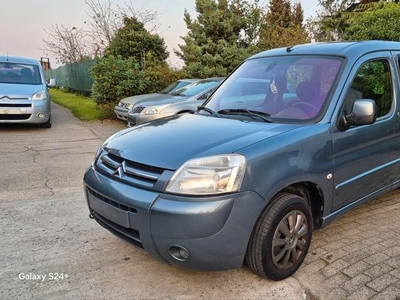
pixel 287 87
pixel 174 86
pixel 195 88
pixel 19 73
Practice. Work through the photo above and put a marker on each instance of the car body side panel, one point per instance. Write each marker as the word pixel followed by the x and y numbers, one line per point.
pixel 366 157
pixel 302 156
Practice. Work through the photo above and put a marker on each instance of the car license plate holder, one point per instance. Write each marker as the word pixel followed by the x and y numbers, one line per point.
pixel 109 212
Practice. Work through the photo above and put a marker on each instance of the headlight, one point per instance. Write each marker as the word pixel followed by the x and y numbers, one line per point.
pixel 209 175
pixel 152 110
pixel 129 106
pixel 39 95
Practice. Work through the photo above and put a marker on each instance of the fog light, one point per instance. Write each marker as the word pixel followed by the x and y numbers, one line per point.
pixel 179 252
pixel 41 115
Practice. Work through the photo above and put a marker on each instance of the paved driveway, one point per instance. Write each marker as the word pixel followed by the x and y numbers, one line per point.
pixel 45 231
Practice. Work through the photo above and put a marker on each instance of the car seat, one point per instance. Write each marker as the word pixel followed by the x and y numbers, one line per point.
pixel 309 98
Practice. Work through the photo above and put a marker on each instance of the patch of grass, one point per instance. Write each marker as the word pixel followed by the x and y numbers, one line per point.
pixel 84 108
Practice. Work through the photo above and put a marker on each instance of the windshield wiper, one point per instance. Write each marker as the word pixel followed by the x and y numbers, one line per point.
pixel 210 111
pixel 252 113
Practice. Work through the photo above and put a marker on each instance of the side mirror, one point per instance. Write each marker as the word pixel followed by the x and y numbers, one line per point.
pixel 362 113
pixel 52 82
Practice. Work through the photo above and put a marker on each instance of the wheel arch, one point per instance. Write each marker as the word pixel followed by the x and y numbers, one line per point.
pixel 313 194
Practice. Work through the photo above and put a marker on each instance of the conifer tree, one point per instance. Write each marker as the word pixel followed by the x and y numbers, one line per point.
pixel 283 25
pixel 217 40
pixel 133 40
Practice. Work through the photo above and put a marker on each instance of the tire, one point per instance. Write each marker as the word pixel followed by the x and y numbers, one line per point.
pixel 46 124
pixel 280 259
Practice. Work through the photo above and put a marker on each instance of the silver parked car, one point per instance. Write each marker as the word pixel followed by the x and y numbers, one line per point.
pixel 24 96
pixel 121 110
pixel 185 100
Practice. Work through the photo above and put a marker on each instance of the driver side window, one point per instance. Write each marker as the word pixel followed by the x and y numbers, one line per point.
pixel 372 81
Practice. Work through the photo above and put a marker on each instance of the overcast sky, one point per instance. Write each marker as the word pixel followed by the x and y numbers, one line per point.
pixel 22 22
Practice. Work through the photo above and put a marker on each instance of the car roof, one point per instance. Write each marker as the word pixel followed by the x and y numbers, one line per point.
pixel 189 79
pixel 213 79
pixel 173 100
pixel 210 79
pixel 18 59
pixel 355 48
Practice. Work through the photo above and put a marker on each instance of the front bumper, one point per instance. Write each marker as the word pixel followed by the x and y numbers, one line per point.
pixel 33 112
pixel 121 112
pixel 213 230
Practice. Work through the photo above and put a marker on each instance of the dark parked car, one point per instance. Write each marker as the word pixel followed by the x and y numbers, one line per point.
pixel 185 100
pixel 24 96
pixel 254 171
pixel 123 107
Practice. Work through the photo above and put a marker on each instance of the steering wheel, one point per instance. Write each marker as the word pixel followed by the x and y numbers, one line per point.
pixel 314 108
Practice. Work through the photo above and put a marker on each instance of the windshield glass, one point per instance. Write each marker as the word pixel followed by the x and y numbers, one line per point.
pixel 195 88
pixel 19 73
pixel 174 86
pixel 287 87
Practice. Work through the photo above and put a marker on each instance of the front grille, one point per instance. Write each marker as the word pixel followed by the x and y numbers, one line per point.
pixel 111 202
pixel 128 171
pixel 138 109
pixel 15 105
pixel 14 117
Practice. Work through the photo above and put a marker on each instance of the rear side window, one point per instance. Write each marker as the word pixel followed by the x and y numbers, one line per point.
pixel 372 81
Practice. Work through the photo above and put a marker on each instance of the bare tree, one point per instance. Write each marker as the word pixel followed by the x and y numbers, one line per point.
pixel 66 43
pixel 149 18
pixel 105 20
pixel 71 44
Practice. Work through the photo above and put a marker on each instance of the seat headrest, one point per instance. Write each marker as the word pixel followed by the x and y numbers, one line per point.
pixel 26 72
pixel 306 91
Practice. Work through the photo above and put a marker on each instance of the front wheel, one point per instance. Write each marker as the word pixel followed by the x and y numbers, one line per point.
pixel 281 238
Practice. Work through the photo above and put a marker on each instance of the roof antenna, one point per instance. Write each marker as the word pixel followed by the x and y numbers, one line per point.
pixel 7 56
pixel 289 49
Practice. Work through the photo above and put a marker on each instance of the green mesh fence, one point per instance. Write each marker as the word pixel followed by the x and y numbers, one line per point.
pixel 74 76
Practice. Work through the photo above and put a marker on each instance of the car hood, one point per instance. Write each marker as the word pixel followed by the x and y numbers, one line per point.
pixel 173 99
pixel 168 143
pixel 18 91
pixel 192 101
pixel 145 97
